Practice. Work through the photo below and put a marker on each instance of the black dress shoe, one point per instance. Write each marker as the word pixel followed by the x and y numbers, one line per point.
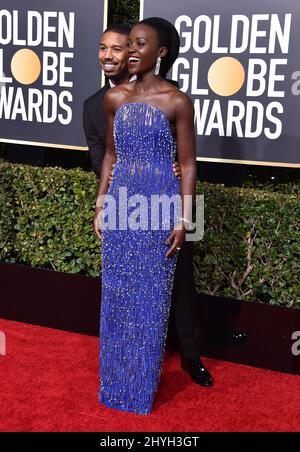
pixel 198 372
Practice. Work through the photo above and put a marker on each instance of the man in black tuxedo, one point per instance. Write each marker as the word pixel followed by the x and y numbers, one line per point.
pixel 113 61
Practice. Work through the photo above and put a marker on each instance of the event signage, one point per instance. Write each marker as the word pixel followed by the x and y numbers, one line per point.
pixel 48 66
pixel 240 63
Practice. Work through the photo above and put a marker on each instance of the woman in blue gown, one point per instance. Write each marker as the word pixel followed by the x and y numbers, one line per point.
pixel 148 121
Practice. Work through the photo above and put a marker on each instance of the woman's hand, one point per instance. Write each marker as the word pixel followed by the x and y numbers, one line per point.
pixel 176 169
pixel 177 238
pixel 97 222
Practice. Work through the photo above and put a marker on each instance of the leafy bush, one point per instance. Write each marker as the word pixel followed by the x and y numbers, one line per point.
pixel 251 246
pixel 48 218
pixel 250 250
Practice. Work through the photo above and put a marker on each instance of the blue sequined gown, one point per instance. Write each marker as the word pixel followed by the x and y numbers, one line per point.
pixel 137 278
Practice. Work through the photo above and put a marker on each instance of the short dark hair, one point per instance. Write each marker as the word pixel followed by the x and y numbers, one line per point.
pixel 121 29
pixel 167 37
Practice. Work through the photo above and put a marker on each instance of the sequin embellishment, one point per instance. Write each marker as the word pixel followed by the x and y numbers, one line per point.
pixel 137 278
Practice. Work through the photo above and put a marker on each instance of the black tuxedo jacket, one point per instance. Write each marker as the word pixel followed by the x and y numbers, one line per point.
pixel 94 126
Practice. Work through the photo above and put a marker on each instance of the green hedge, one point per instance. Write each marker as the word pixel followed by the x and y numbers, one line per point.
pixel 46 218
pixel 251 246
pixel 250 250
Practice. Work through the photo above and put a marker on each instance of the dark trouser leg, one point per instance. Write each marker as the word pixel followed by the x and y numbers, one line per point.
pixel 183 307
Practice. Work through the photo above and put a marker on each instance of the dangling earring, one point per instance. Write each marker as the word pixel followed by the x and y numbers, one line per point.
pixel 157 67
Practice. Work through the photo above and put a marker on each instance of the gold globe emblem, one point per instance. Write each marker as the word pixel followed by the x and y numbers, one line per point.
pixel 25 66
pixel 226 76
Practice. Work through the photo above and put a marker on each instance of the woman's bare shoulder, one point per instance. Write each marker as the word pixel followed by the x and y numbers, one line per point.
pixel 116 96
pixel 175 94
pixel 181 100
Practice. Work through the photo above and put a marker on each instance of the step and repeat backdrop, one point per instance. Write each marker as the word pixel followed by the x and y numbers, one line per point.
pixel 240 63
pixel 48 66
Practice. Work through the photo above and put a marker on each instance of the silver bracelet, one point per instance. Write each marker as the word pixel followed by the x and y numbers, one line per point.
pixel 189 223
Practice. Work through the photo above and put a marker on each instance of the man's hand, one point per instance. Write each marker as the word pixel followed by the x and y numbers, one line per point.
pixel 111 174
pixel 176 169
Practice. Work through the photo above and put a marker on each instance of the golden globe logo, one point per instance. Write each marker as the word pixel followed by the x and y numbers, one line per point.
pixel 51 33
pixel 25 66
pixel 262 75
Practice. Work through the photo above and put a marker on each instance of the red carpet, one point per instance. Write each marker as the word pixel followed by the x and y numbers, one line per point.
pixel 49 382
